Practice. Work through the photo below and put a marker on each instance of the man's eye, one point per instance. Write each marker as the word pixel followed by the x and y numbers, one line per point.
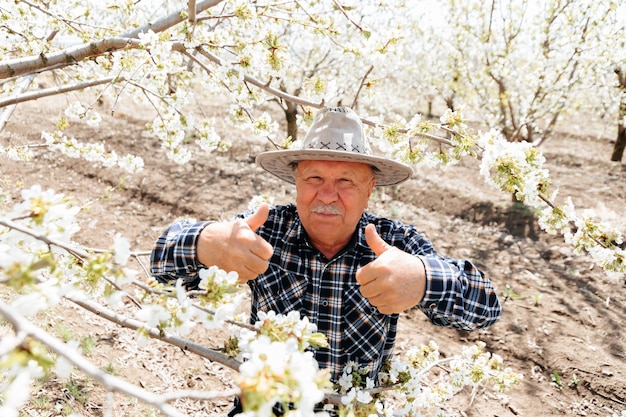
pixel 314 180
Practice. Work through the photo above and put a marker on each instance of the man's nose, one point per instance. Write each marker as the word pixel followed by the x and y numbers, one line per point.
pixel 327 192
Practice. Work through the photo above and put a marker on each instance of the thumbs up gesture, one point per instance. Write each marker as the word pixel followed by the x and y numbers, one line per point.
pixel 395 280
pixel 234 246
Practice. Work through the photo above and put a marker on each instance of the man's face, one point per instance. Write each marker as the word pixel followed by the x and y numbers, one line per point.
pixel 330 197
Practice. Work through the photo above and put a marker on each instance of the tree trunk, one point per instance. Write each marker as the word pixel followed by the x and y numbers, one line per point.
pixel 620 142
pixel 291 113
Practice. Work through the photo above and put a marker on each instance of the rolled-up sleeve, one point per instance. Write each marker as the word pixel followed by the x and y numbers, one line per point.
pixel 458 295
pixel 173 255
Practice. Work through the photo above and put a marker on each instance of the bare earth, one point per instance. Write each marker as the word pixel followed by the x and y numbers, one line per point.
pixel 562 316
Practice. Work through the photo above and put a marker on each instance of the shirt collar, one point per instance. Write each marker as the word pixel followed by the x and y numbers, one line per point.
pixel 295 234
pixel 361 243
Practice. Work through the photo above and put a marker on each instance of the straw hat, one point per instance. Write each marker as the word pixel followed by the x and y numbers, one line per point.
pixel 336 135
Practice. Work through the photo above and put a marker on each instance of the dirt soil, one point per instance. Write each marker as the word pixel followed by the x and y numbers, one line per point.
pixel 562 315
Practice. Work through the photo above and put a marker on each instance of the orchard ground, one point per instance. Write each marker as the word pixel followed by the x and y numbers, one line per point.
pixel 562 325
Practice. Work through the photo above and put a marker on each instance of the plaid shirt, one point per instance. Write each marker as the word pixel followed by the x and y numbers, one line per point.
pixel 300 278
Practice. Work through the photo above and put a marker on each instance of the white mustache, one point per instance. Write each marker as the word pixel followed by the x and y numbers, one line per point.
pixel 325 209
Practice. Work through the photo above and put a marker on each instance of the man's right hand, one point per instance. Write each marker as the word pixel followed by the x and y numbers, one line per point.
pixel 234 246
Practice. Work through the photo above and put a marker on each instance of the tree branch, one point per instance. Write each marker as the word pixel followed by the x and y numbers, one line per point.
pixel 191 6
pixel 172 20
pixel 22 85
pixel 110 382
pixel 70 56
pixel 73 250
pixel 155 333
pixel 199 395
pixel 262 85
pixel 34 95
pixel 345 14
pixel 361 84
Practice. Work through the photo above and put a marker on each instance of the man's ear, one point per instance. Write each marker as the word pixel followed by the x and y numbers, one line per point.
pixel 372 185
pixel 369 193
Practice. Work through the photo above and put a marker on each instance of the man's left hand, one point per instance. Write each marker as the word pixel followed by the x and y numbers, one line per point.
pixel 395 281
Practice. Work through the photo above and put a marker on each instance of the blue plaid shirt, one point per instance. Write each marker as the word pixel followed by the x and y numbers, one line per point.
pixel 300 278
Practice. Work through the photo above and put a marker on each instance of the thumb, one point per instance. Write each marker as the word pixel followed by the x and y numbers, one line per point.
pixel 259 217
pixel 374 241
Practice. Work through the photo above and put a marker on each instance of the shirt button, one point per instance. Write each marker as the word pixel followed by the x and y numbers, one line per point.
pixel 325 303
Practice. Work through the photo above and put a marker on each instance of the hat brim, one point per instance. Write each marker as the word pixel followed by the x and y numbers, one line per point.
pixel 280 163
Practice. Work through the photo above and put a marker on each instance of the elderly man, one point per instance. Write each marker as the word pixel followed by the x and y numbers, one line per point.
pixel 349 271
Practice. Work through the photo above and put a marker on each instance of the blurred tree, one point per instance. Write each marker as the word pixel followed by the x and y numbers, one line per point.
pixel 620 142
pixel 522 67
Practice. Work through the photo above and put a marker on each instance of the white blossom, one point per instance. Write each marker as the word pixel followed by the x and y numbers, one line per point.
pixel 121 249
pixel 62 366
